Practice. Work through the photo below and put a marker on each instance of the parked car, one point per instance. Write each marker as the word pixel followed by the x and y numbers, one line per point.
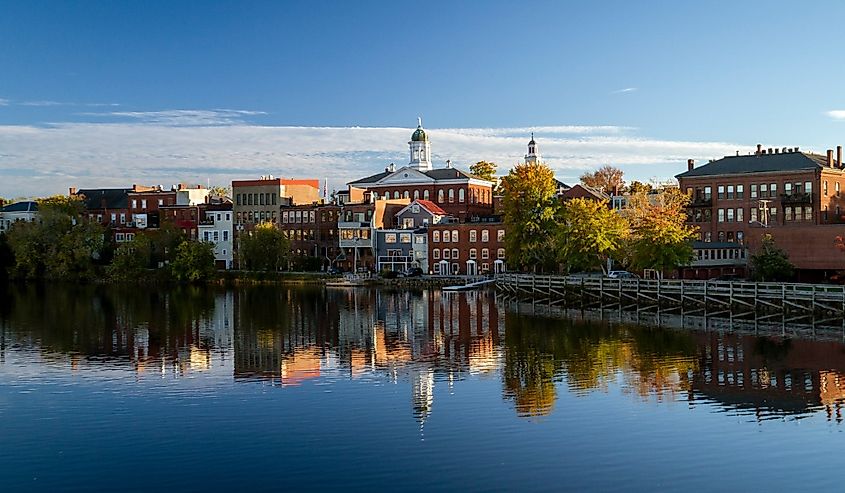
pixel 412 272
pixel 622 274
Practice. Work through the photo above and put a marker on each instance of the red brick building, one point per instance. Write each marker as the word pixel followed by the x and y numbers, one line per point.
pixel 472 248
pixel 312 231
pixel 792 195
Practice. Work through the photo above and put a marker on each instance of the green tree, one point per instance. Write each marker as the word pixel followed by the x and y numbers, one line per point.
pixel 607 179
pixel 770 263
pixel 590 233
pixel 163 243
pixel 531 209
pixel 131 259
pixel 265 248
pixel 660 238
pixel 484 170
pixel 194 261
pixel 639 187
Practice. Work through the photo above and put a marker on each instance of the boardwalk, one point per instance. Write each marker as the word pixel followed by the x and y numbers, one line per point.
pixel 785 298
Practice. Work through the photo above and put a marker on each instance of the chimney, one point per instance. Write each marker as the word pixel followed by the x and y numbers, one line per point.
pixel 72 191
pixel 830 158
pixel 839 156
pixel 770 151
pixel 391 168
pixel 690 164
pixel 759 149
pixel 777 151
pixel 448 163
pixel 796 149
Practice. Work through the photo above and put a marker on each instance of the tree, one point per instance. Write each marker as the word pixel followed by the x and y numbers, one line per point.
pixel 531 208
pixel 163 243
pixel 220 191
pixel 194 261
pixel 659 238
pixel 770 263
pixel 639 187
pixel 607 179
pixel 131 258
pixel 484 170
pixel 265 248
pixel 590 233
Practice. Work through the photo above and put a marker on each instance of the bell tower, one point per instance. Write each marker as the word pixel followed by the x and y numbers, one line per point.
pixel 533 155
pixel 420 149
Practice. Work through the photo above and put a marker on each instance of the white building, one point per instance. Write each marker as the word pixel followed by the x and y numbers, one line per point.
pixel 216 228
pixel 19 211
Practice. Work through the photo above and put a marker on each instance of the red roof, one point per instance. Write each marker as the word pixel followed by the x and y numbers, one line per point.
pixel 432 207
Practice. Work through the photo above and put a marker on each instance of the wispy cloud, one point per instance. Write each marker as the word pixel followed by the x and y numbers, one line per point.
pixel 836 114
pixel 623 91
pixel 170 150
pixel 188 118
pixel 4 102
pixel 44 103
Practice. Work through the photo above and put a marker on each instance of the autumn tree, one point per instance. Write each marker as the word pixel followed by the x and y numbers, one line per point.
pixel 660 239
pixel 484 170
pixel 607 179
pixel 265 248
pixel 590 233
pixel 770 263
pixel 639 187
pixel 530 208
pixel 220 191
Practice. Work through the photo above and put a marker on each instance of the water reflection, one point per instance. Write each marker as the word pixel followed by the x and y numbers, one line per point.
pixel 428 341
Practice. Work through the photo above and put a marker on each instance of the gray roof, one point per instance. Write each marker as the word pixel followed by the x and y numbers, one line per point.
pixel 26 206
pixel 435 174
pixel 105 198
pixel 758 163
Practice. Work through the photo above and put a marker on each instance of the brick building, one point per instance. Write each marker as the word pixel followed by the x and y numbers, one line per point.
pixel 312 231
pixel 472 248
pixel 795 196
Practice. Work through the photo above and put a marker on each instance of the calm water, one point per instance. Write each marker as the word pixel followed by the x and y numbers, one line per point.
pixel 308 389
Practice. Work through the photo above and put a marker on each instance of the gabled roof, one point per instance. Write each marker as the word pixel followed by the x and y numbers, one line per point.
pixel 371 179
pixel 105 198
pixel 25 206
pixel 428 205
pixel 758 163
pixel 579 189
pixel 434 174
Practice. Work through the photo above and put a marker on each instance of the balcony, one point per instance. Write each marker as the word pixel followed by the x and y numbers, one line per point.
pixel 796 198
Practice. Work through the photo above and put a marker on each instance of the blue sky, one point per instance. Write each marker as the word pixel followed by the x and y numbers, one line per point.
pixel 97 93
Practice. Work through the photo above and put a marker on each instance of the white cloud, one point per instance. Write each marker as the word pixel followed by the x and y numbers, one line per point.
pixel 43 103
pixel 625 90
pixel 4 102
pixel 200 146
pixel 836 114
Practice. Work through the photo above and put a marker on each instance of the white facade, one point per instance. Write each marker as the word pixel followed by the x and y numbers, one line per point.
pixel 217 228
pixel 533 156
pixel 191 196
pixel 20 211
pixel 420 149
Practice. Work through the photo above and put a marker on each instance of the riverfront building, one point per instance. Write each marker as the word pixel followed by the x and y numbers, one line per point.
pixel 794 196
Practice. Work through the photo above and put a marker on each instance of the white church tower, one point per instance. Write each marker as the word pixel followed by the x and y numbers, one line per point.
pixel 533 156
pixel 420 149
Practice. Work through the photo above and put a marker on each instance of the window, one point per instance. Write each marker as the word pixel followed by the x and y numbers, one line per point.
pixel 419 239
pixel 225 235
pixel 406 195
pixel 753 191
pixel 500 253
pixel 721 215
pixel 395 194
pixel 216 236
pixel 461 195
pixel 425 195
pixel 485 253
pixel 808 187
pixel 708 193
pixel 730 215
pixel 739 214
pixel 708 237
pixel 435 254
pixel 773 190
pixel 836 188
pixel 160 201
pixel 312 216
pixel 455 254
pixel 408 223
pixel 440 196
pixel 122 218
pixel 730 192
pixel 740 191
pixel 285 216
pixel 451 195
pixel 416 194
pixel 454 236
pixel 773 213
pixel 808 213
pixel 473 253
pixel 113 217
pixel 764 191
pixel 740 237
pixel 143 203
pixel 473 234
pixel 753 213
pixel 404 237
pixel 446 253
pixel 260 199
pixel 721 236
pixel 134 203
pixel 787 188
pixel 721 192
pixel 787 214
pixel 435 237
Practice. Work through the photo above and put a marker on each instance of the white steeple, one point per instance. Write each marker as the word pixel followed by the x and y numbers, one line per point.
pixel 420 149
pixel 533 155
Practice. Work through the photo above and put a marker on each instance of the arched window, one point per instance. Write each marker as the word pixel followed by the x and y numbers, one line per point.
pixel 461 195
pixel 406 195
pixel 426 196
pixel 375 195
pixel 416 194
pixel 455 236
pixel 500 253
pixel 451 196
pixel 440 196
pixel 396 194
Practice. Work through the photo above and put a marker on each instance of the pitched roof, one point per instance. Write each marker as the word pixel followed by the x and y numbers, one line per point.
pixel 26 206
pixel 432 207
pixel 371 179
pixel 758 163
pixel 579 189
pixel 435 174
pixel 105 198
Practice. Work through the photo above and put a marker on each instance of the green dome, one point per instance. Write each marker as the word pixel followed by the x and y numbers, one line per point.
pixel 419 135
